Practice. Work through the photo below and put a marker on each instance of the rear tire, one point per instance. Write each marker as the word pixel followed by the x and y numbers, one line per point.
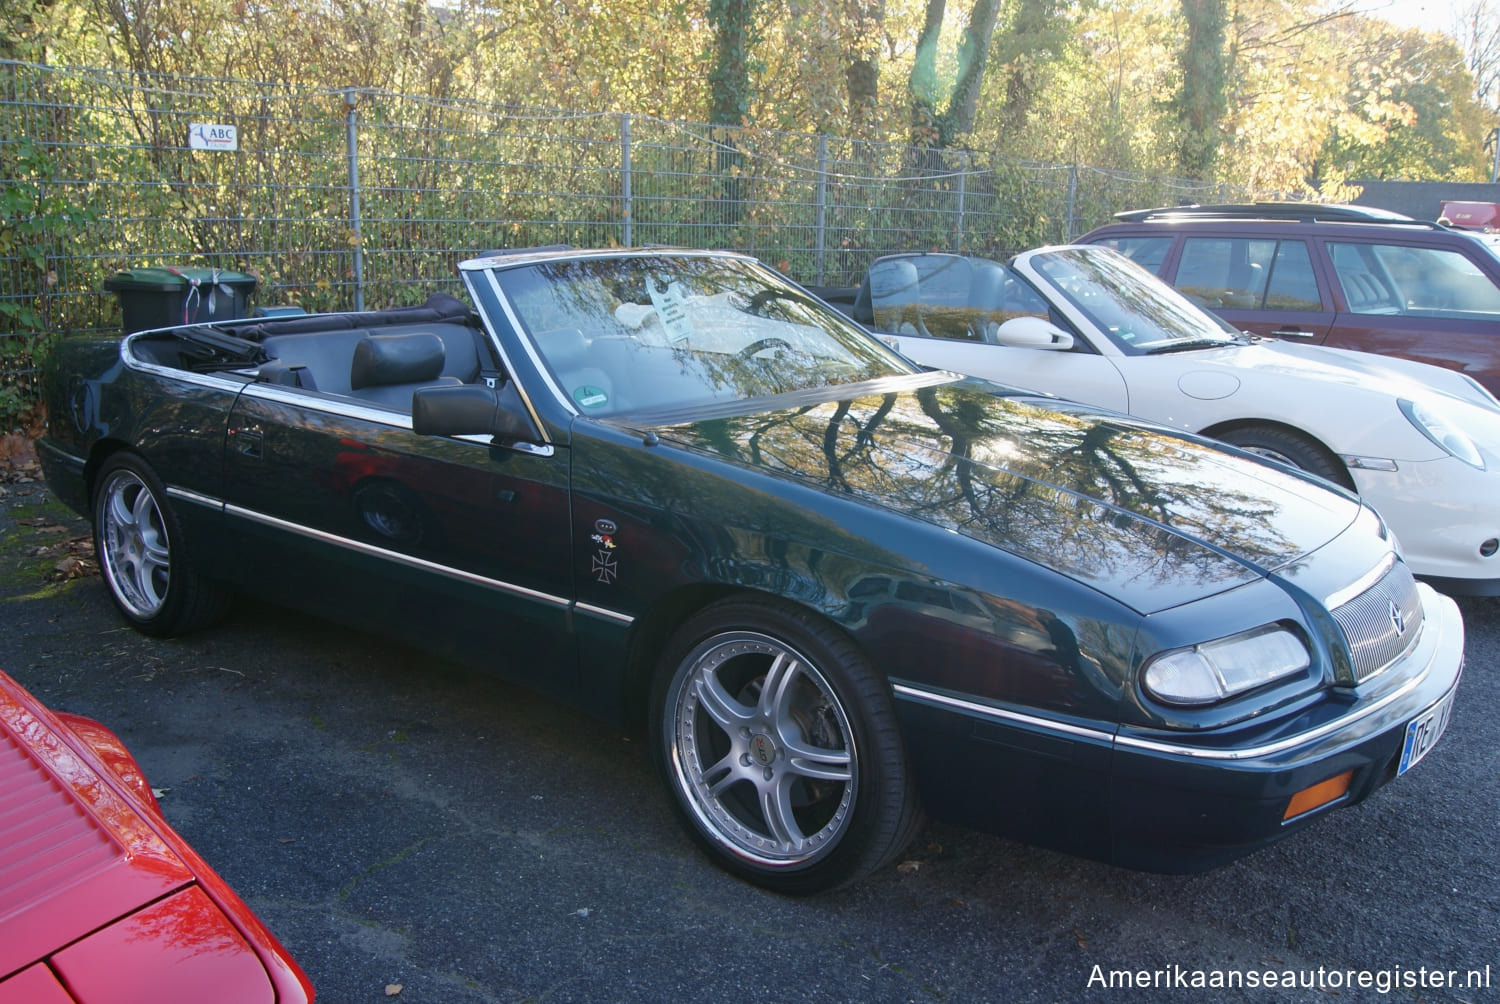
pixel 142 555
pixel 779 745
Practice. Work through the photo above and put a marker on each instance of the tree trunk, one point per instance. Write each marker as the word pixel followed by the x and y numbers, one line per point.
pixel 973 53
pixel 729 80
pixel 923 86
pixel 1201 102
pixel 865 19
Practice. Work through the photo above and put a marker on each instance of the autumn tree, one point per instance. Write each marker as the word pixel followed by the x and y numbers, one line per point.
pixel 1200 101
pixel 1409 112
pixel 1023 53
pixel 1263 93
pixel 942 112
pixel 729 77
pixel 862 65
pixel 1101 96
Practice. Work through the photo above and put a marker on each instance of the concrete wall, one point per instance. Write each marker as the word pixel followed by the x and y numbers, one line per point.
pixel 1423 200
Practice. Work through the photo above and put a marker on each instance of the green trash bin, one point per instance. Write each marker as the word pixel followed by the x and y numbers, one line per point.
pixel 164 295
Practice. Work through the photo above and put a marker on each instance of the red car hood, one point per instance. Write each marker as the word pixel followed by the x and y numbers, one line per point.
pixel 100 901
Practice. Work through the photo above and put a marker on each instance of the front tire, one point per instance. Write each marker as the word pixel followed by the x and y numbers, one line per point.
pixel 1287 446
pixel 142 554
pixel 780 747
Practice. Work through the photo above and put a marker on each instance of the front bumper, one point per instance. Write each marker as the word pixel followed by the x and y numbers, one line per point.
pixel 1171 801
pixel 1443 511
pixel 1180 805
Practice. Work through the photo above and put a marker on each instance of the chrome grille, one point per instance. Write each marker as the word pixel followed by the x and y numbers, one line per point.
pixel 1382 623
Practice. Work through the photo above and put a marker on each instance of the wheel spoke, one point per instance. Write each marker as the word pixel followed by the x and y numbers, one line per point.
pixel 776 806
pixel 733 772
pixel 155 553
pixel 133 581
pixel 119 552
pixel 144 510
pixel 120 513
pixel 146 583
pixel 774 692
pixel 815 762
pixel 729 714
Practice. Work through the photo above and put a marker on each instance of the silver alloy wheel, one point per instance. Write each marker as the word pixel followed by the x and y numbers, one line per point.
pixel 135 551
pixel 762 749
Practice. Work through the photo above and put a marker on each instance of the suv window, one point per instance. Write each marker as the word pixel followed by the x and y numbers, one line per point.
pixel 1248 273
pixel 1430 282
pixel 1293 284
pixel 1147 252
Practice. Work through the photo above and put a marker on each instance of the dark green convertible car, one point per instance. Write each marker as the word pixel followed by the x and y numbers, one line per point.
pixel 839 590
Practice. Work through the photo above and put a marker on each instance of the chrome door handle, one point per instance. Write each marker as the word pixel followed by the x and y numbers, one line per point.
pixel 1291 333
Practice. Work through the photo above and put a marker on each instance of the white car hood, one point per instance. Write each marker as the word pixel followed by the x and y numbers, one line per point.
pixel 1397 377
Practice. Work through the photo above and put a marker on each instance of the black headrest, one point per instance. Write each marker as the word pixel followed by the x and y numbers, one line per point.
pixel 390 359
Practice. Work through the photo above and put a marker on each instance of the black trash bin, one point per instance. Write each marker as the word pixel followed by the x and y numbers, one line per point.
pixel 160 296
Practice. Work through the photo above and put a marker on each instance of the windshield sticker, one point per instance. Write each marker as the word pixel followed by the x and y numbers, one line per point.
pixel 590 396
pixel 671 307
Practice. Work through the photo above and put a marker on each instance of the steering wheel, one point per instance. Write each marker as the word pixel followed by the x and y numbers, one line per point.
pixel 760 345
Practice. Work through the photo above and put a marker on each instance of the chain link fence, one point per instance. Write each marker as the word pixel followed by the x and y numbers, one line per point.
pixel 342 199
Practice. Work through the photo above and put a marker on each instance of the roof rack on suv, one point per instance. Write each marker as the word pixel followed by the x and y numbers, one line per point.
pixel 1306 212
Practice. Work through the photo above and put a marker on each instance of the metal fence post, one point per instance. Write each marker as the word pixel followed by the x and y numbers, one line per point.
pixel 1072 215
pixel 822 202
pixel 963 174
pixel 625 208
pixel 351 142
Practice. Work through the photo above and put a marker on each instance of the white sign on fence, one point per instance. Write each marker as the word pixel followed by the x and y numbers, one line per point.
pixel 209 136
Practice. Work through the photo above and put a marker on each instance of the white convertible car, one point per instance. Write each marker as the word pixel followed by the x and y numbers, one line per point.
pixel 1420 443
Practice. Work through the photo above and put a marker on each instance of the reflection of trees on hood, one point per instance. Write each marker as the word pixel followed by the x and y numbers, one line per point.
pixel 1057 486
pixel 1066 485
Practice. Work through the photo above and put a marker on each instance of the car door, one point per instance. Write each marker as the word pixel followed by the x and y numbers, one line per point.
pixel 1079 373
pixel 1265 285
pixel 454 544
pixel 1438 305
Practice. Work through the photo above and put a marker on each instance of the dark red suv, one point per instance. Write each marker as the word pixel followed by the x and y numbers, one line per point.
pixel 1346 276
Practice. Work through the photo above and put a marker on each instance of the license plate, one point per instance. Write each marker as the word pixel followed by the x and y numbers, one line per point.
pixel 1423 732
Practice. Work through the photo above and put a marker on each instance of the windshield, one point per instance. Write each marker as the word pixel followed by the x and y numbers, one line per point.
pixel 648 332
pixel 1134 308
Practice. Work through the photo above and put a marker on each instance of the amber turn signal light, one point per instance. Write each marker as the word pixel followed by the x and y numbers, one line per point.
pixel 1319 794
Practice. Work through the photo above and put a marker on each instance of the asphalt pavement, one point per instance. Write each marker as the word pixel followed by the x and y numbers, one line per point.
pixel 416 831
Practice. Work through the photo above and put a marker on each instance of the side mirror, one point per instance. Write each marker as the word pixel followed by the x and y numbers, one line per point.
pixel 1031 332
pixel 471 410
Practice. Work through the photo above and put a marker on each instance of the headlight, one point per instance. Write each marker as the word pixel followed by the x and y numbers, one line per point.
pixel 1218 670
pixel 1439 428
